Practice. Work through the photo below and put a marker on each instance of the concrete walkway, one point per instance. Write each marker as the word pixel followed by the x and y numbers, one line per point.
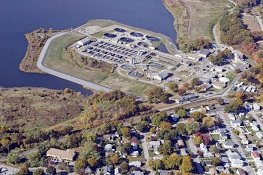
pixel 63 75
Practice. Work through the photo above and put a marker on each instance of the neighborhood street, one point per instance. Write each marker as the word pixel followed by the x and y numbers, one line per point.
pixel 196 160
pixel 234 139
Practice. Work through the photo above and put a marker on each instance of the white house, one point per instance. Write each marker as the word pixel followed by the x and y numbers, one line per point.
pixel 244 141
pixel 235 123
pixel 259 164
pixel 249 148
pixel 223 135
pixel 237 163
pixel 223 80
pixel 135 163
pixel 235 159
pixel 256 107
pixel 228 145
pixel 254 126
pixel 205 150
pixel 259 135
pixel 231 116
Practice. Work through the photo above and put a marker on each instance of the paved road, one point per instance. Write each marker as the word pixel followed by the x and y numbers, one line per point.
pixel 146 154
pixel 234 139
pixel 63 75
pixel 196 160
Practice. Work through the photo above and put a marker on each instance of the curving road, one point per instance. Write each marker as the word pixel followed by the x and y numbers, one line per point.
pixel 63 75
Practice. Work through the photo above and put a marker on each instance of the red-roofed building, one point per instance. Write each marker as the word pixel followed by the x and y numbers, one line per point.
pixel 241 172
pixel 255 155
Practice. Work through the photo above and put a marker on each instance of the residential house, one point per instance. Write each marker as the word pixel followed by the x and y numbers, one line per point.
pixel 235 159
pixel 205 87
pixel 209 108
pixel 180 143
pixel 255 155
pixel 69 154
pixel 117 171
pixel 223 135
pixel 241 172
pixel 108 170
pixel 259 134
pixel 235 123
pixel 205 150
pixel 223 80
pixel 231 116
pixel 256 107
pixel 250 148
pixel 137 164
pixel 244 141
pixel 109 148
pixel 259 164
pixel 88 170
pixel 183 152
pixel 175 117
pixel 228 145
pixel 204 53
pixel 163 172
pixel 137 173
pixel 254 126
pixel 154 144
pixel 213 171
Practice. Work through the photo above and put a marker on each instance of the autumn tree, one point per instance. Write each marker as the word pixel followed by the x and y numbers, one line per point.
pixel 181 91
pixel 165 125
pixel 126 132
pixel 39 171
pixel 156 164
pixel 216 161
pixel 182 113
pixel 173 87
pixel 112 159
pixel 208 122
pixel 197 116
pixel 186 166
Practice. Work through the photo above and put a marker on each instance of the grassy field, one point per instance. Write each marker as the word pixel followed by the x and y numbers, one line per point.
pixel 195 19
pixel 57 59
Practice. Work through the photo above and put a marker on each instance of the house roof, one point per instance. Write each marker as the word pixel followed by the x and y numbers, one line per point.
pixel 204 52
pixel 255 154
pixel 241 171
pixel 68 154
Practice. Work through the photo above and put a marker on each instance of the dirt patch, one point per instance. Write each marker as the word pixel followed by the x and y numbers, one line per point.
pixel 38 107
pixel 251 23
pixel 36 41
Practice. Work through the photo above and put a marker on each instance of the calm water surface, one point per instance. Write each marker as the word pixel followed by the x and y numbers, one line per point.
pixel 18 17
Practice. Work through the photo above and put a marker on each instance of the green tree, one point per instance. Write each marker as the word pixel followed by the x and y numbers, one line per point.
pixel 143 126
pixel 93 162
pixel 186 166
pixel 13 156
pixel 208 122
pixel 126 132
pixel 216 161
pixel 233 106
pixel 39 171
pixel 158 118
pixel 166 148
pixel 181 128
pixel 197 116
pixel 172 162
pixel 91 136
pixel 156 164
pixel 51 170
pixel 24 170
pixel 192 127
pixel 126 148
pixel 182 113
pixel 124 167
pixel 33 158
pixel 173 87
pixel 80 166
